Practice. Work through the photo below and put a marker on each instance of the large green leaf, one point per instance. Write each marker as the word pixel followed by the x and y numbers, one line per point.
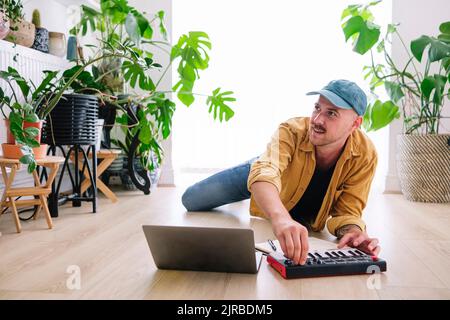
pixel 45 84
pixel 192 49
pixel 83 80
pixel 162 26
pixel 162 109
pixel 145 28
pixel 394 90
pixel 434 83
pixel 367 33
pixel 184 93
pixel 444 28
pixel 88 19
pixel 437 51
pixel 145 134
pixel 28 158
pixel 31 131
pixel 379 115
pixel 14 75
pixel 217 103
pixel 134 73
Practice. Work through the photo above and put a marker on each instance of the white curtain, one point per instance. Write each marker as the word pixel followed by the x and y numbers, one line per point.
pixel 270 53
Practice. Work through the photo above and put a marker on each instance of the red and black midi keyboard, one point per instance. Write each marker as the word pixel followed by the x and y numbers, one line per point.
pixel 322 263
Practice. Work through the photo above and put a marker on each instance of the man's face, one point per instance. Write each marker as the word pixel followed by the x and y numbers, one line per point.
pixel 330 124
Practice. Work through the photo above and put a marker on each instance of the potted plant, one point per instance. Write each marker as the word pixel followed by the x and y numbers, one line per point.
pixel 28 110
pixel 122 26
pixel 23 125
pixel 21 32
pixel 417 96
pixel 11 11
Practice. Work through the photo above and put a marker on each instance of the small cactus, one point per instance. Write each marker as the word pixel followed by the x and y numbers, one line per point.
pixel 36 18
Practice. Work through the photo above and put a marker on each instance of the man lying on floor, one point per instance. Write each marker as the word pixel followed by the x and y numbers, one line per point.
pixel 316 171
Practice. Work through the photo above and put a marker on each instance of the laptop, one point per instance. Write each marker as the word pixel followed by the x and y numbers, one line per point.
pixel 203 248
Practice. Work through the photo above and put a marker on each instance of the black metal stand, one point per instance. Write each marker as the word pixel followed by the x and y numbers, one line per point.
pixel 76 178
pixel 140 178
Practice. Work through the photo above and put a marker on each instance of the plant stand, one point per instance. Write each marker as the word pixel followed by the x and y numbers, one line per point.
pixel 73 123
pixel 107 157
pixel 89 170
pixel 40 190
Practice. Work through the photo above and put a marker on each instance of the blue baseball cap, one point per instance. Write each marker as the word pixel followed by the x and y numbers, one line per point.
pixel 344 94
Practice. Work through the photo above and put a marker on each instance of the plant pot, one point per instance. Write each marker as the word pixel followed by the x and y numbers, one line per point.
pixel 41 40
pixel 72 121
pixel 4 26
pixel 10 137
pixel 57 44
pixel 12 151
pixel 423 165
pixel 24 34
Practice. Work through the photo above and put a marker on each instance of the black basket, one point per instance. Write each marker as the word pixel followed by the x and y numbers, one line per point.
pixel 72 121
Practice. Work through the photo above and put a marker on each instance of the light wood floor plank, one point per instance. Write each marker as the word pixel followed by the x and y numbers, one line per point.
pixel 111 252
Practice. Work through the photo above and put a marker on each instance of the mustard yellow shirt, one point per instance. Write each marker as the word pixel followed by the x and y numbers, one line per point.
pixel 289 162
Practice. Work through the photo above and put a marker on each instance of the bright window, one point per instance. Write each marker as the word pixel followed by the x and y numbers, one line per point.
pixel 270 53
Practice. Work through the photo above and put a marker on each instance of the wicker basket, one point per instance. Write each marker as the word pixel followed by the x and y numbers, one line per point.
pixel 423 165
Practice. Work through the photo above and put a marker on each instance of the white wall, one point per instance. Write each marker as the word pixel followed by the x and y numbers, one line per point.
pixel 270 53
pixel 150 8
pixel 53 14
pixel 417 17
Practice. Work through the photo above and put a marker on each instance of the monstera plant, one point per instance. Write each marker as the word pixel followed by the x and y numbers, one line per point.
pixel 418 90
pixel 420 94
pixel 119 26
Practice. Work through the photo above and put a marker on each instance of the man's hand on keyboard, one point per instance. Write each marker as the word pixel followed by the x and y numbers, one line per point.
pixel 293 238
pixel 356 238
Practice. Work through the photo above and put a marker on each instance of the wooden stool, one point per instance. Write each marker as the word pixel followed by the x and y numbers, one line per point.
pixel 107 156
pixel 39 190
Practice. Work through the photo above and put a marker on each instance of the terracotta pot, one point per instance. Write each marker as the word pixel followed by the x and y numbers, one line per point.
pixel 57 44
pixel 10 137
pixel 12 151
pixel 24 35
pixel 4 26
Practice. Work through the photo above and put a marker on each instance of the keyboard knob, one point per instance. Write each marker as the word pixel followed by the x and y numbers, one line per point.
pixel 288 262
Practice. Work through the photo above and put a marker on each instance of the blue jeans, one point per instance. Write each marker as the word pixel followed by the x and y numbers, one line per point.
pixel 219 189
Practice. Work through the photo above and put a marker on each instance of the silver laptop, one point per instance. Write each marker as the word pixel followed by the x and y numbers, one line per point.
pixel 203 248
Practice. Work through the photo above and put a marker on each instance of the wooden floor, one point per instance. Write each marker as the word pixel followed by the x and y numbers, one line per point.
pixel 111 254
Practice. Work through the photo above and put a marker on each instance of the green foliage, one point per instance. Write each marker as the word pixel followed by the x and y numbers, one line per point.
pixel 421 94
pixel 19 112
pixel 13 10
pixel 217 103
pixel 123 29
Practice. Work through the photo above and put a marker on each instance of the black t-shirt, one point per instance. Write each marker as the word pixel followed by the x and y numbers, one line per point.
pixel 307 208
